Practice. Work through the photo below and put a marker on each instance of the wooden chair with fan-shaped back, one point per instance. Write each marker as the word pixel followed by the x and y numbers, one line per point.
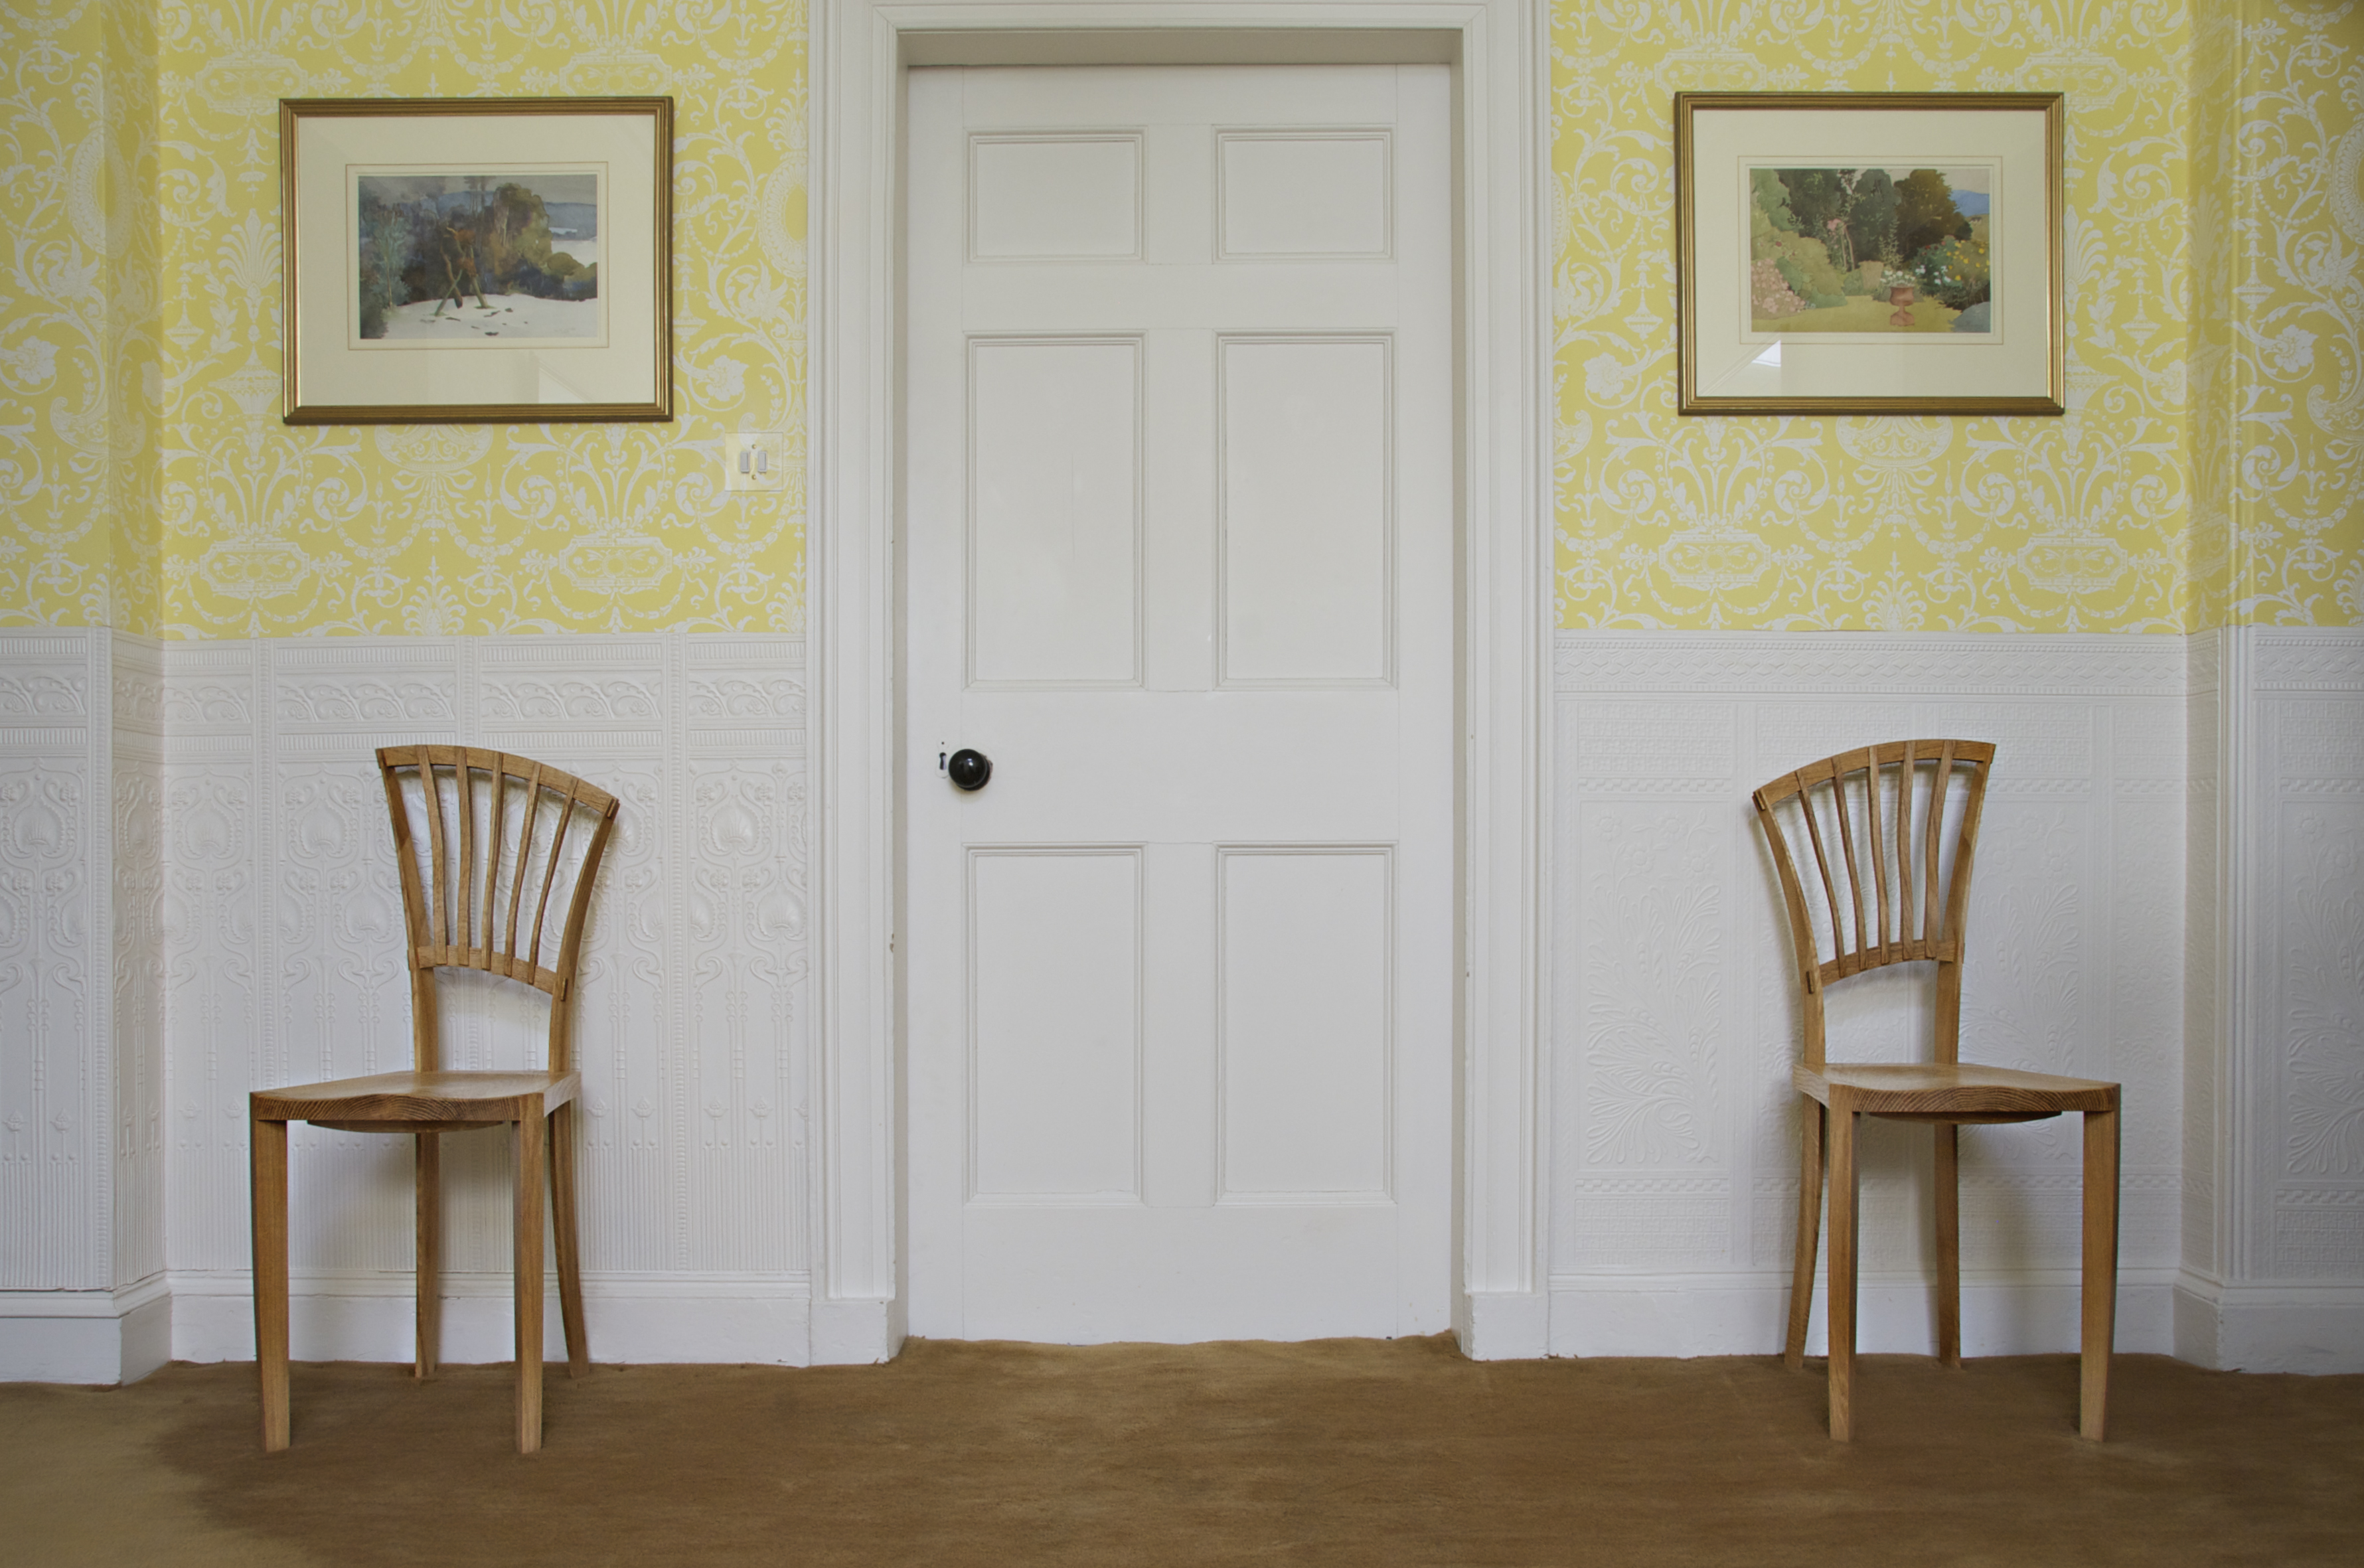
pixel 496 855
pixel 1887 836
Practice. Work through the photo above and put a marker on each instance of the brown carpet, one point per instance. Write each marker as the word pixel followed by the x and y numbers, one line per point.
pixel 1340 1452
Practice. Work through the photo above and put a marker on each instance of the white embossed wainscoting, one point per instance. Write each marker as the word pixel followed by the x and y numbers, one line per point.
pixel 2273 1071
pixel 1674 1125
pixel 83 1290
pixel 197 897
pixel 282 927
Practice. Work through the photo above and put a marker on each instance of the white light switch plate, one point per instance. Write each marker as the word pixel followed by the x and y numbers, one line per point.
pixel 751 459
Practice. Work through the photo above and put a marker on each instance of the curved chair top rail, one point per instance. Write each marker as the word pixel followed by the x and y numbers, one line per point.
pixel 1890 830
pixel 483 841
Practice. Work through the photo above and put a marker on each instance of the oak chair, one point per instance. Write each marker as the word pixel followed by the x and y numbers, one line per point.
pixel 1892 830
pixel 505 843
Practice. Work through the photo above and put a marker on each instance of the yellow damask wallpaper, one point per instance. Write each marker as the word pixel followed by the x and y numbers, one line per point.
pixel 2073 524
pixel 2215 216
pixel 78 372
pixel 477 528
pixel 2278 361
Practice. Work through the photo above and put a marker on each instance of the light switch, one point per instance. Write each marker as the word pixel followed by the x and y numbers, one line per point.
pixel 752 460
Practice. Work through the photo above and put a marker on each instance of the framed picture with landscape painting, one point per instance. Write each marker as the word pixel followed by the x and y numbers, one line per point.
pixel 477 259
pixel 1868 252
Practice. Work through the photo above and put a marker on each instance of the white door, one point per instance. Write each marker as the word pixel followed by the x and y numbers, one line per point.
pixel 1179 560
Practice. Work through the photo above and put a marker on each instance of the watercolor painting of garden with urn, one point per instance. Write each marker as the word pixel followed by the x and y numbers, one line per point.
pixel 1871 250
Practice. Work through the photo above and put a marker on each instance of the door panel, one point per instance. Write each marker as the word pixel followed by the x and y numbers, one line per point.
pixel 1309 195
pixel 1054 198
pixel 1054 547
pixel 1304 473
pixel 1179 558
pixel 1055 1016
pixel 1305 1004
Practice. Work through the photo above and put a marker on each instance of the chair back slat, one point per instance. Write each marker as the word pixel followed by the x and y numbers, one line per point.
pixel 550 868
pixel 1876 847
pixel 495 835
pixel 525 832
pixel 437 884
pixel 465 879
pixel 1855 878
pixel 492 870
pixel 1933 825
pixel 1901 794
pixel 1823 864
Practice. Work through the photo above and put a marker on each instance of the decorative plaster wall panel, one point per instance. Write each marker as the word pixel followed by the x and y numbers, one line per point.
pixel 281 955
pixel 1674 1141
pixel 55 1105
pixel 80 1015
pixel 2309 690
pixel 243 877
pixel 2274 1201
pixel 137 715
pixel 2204 1036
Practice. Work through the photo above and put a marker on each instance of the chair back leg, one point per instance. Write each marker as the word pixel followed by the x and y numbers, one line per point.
pixel 1947 1194
pixel 267 1168
pixel 428 1199
pixel 2100 1272
pixel 563 1125
pixel 1810 1225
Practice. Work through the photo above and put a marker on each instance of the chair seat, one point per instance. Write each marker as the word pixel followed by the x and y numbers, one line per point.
pixel 420 1101
pixel 1966 1092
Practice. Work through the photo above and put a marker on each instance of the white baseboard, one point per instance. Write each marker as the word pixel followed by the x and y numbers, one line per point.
pixel 730 1318
pixel 85 1336
pixel 2034 1312
pixel 856 1330
pixel 2309 1328
pixel 1503 1324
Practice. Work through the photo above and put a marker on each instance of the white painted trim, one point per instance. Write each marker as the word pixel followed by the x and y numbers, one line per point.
pixel 85 1336
pixel 91 1303
pixel 714 1318
pixel 2245 1174
pixel 2284 1327
pixel 1869 664
pixel 859 48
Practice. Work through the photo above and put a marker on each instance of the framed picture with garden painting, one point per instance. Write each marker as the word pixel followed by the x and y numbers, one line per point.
pixel 1868 252
pixel 454 259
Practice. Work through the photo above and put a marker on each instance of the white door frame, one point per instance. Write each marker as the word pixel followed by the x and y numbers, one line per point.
pixel 859 50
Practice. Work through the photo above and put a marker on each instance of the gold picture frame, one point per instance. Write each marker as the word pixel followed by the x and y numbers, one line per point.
pixel 1782 219
pixel 476 260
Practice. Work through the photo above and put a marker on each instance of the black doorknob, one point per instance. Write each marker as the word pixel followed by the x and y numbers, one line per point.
pixel 968 769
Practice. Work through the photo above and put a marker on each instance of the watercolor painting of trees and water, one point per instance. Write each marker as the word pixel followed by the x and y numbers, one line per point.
pixel 1871 250
pixel 495 259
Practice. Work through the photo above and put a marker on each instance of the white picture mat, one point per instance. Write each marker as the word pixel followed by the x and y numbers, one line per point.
pixel 2015 363
pixel 330 374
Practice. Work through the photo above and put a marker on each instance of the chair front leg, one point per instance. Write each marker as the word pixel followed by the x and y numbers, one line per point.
pixel 1809 1225
pixel 1948 1184
pixel 267 1171
pixel 1844 1127
pixel 429 1199
pixel 2101 1273
pixel 533 1135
